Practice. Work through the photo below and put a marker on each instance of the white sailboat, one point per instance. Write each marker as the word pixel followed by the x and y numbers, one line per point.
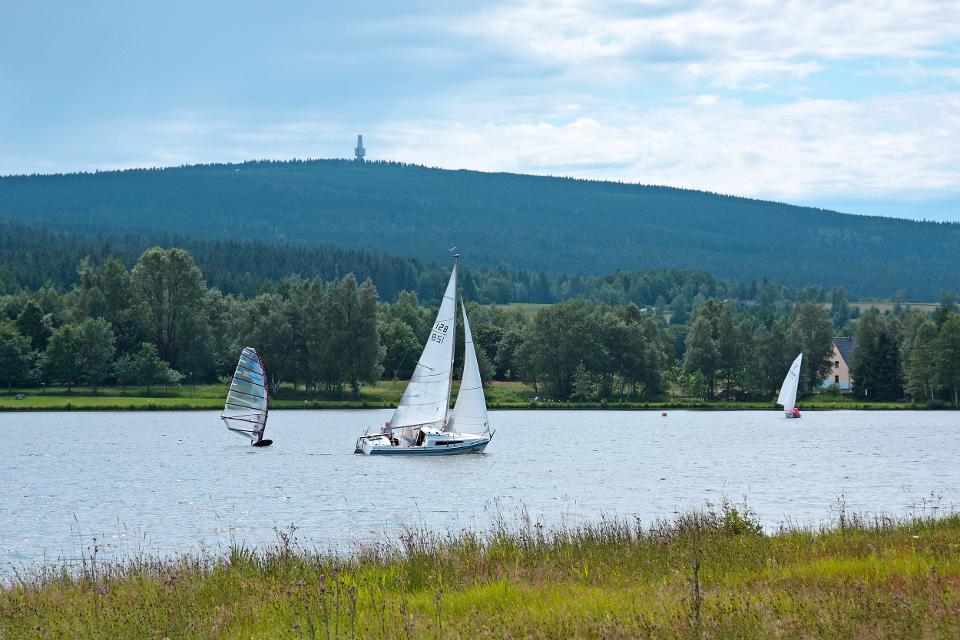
pixel 422 423
pixel 245 410
pixel 788 390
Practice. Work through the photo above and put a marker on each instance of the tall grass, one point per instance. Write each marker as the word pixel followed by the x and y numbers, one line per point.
pixel 713 573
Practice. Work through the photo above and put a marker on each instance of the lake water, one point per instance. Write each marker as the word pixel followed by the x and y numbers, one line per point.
pixel 161 482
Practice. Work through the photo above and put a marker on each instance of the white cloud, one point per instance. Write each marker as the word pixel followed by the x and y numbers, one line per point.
pixel 728 42
pixel 881 146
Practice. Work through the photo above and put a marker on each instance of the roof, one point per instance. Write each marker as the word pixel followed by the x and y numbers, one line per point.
pixel 845 345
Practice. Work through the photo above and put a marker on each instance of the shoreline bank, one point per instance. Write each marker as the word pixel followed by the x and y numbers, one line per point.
pixel 386 395
pixel 154 403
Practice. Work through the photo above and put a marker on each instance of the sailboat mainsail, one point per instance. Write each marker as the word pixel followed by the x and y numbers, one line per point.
pixel 427 396
pixel 470 411
pixel 245 411
pixel 788 390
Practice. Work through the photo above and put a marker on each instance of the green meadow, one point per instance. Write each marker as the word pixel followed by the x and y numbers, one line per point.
pixel 713 574
pixel 386 394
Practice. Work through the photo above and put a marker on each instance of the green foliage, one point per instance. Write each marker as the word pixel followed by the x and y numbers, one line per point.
pixel 16 354
pixel 876 371
pixel 586 384
pixel 948 356
pixel 145 367
pixel 63 356
pixel 702 354
pixel 561 338
pixel 487 370
pixel 401 348
pixel 169 289
pixel 922 362
pixel 35 325
pixel 267 323
pixel 839 308
pixel 811 332
pixel 80 352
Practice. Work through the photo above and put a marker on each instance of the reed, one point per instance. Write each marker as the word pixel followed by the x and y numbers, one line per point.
pixel 713 573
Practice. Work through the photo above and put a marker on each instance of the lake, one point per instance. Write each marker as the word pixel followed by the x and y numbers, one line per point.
pixel 161 482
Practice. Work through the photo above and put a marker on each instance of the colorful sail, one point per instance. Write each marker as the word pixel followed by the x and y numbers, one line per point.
pixel 470 411
pixel 427 396
pixel 788 390
pixel 245 411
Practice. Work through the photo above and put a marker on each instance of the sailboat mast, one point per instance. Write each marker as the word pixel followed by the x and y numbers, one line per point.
pixel 266 393
pixel 453 329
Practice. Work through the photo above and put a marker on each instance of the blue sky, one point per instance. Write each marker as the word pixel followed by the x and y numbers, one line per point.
pixel 854 106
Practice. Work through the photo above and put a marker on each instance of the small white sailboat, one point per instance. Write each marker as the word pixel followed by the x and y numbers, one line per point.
pixel 788 390
pixel 422 423
pixel 245 410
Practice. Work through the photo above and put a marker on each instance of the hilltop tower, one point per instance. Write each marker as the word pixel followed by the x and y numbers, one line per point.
pixel 360 151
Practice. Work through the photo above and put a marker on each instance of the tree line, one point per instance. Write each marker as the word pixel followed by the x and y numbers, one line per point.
pixel 160 323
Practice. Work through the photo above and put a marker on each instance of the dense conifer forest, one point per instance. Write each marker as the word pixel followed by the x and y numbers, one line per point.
pixel 511 222
pixel 32 256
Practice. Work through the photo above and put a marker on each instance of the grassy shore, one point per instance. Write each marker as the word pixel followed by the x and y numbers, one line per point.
pixel 500 395
pixel 705 575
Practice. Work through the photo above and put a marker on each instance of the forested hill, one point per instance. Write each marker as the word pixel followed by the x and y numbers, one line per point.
pixel 556 225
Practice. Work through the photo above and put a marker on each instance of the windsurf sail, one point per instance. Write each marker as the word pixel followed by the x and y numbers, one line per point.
pixel 470 411
pixel 427 396
pixel 788 390
pixel 245 411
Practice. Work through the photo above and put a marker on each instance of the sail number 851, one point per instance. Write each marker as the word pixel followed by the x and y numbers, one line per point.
pixel 439 332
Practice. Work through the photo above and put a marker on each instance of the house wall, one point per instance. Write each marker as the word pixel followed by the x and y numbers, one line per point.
pixel 839 374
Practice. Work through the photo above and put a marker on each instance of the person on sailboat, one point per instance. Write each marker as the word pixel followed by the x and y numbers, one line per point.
pixel 796 412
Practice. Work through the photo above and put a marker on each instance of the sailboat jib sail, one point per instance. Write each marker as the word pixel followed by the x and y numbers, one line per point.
pixel 427 396
pixel 470 411
pixel 245 410
pixel 788 390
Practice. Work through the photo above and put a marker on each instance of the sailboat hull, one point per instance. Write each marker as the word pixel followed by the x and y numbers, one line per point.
pixel 377 446
pixel 262 443
pixel 452 450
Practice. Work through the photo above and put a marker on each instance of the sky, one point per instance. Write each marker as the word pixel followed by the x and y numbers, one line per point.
pixel 850 106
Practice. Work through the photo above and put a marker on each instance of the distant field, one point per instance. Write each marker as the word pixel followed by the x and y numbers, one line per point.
pixel 500 395
pixel 885 306
pixel 530 309
pixel 384 394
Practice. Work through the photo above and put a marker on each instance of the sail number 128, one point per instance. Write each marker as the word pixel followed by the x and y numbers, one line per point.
pixel 439 332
